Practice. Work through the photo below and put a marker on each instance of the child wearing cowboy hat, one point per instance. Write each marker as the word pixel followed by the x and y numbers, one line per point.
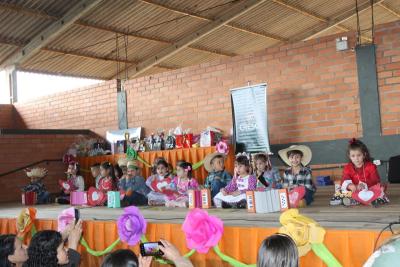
pixel 36 175
pixel 298 175
pixel 217 177
pixel 133 186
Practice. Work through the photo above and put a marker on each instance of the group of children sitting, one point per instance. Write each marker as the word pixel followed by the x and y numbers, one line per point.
pixel 170 188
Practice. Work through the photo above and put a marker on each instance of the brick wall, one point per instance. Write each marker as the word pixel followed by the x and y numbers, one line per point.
pixel 93 107
pixel 312 94
pixel 388 61
pixel 9 118
pixel 20 150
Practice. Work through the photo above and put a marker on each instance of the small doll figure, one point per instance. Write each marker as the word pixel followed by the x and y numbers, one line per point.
pixel 36 176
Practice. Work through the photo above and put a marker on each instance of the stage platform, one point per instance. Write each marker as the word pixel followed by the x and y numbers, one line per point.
pixel 350 232
pixel 339 217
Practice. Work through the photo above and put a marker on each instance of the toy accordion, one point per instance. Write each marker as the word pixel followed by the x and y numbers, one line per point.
pixel 267 201
pixel 78 198
pixel 199 199
pixel 113 199
pixel 29 198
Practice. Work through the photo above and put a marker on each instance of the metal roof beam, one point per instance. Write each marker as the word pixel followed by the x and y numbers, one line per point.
pixel 314 16
pixel 390 9
pixel 232 13
pixel 230 25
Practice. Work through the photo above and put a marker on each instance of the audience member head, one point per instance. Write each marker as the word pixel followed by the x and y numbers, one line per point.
pixel 121 258
pixel 278 250
pixel 47 250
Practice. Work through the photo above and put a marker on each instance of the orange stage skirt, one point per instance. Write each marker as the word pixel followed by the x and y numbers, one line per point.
pixel 191 155
pixel 351 247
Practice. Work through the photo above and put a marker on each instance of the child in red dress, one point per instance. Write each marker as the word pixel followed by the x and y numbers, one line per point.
pixel 360 174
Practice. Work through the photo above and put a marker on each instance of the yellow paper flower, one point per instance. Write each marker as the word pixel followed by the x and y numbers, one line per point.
pixel 25 221
pixel 303 230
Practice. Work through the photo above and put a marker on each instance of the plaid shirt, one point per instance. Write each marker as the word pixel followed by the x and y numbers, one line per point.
pixel 303 178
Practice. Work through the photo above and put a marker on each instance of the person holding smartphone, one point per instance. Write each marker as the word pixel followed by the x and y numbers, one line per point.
pixel 125 257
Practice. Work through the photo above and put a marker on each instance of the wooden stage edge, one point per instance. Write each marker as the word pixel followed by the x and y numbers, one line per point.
pixel 339 217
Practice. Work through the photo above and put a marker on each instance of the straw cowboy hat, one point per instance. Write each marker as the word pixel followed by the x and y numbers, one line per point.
pixel 307 154
pixel 123 162
pixel 209 158
pixel 36 172
pixel 133 164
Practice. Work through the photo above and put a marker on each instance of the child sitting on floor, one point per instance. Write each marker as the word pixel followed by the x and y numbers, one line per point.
pixel 234 194
pixel 298 175
pixel 37 175
pixel 160 184
pixel 183 182
pixel 133 186
pixel 267 176
pixel 95 171
pixel 74 182
pixel 108 181
pixel 360 174
pixel 217 176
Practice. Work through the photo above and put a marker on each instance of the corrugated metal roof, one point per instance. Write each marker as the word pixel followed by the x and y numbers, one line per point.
pixel 144 19
pixel 18 26
pixel 188 57
pixel 324 8
pixel 380 17
pixel 276 19
pixel 54 7
pixel 67 65
pixel 206 8
pixel 6 51
pixel 230 40
pixel 87 48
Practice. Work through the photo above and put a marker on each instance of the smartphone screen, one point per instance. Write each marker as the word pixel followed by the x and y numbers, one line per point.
pixel 77 215
pixel 150 249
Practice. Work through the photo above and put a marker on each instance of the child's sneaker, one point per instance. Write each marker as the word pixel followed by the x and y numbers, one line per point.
pixel 379 202
pixel 348 201
pixel 336 200
pixel 241 204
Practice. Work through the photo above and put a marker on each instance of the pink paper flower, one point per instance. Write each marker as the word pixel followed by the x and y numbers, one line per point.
pixel 66 217
pixel 202 230
pixel 131 225
pixel 222 147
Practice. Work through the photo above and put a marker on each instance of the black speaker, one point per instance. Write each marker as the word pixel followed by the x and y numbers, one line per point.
pixel 394 170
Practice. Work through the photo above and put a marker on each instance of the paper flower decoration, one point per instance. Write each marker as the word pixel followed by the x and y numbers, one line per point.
pixel 303 230
pixel 131 225
pixel 222 147
pixel 202 230
pixel 65 218
pixel 25 221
